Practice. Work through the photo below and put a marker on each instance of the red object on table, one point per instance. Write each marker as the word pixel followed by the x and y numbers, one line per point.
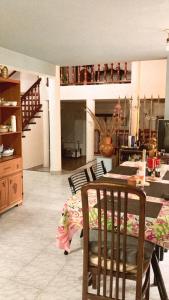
pixel 151 163
pixel 157 162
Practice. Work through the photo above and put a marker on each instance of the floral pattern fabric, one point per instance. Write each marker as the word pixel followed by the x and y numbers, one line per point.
pixel 156 230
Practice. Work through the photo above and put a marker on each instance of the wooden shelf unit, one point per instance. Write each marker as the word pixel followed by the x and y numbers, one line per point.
pixel 125 153
pixel 11 187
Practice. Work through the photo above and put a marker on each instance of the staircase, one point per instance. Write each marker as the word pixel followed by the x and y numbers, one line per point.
pixel 31 106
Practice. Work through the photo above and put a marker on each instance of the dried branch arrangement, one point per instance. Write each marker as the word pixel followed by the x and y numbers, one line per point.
pixel 107 128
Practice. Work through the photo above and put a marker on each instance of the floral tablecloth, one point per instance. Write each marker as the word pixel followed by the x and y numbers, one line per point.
pixel 156 230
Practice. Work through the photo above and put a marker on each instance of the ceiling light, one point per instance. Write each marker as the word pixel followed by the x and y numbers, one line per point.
pixel 167 43
pixel 167 40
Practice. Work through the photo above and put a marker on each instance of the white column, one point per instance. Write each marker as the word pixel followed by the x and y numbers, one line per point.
pixel 166 113
pixel 90 103
pixel 135 79
pixel 44 98
pixel 55 122
pixel 46 145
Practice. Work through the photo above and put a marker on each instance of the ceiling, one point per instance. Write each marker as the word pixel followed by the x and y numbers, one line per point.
pixel 71 32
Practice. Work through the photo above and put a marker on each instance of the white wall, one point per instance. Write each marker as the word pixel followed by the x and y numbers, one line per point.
pixel 152 79
pixel 27 80
pixel 32 145
pixel 167 91
pixel 21 62
pixel 102 91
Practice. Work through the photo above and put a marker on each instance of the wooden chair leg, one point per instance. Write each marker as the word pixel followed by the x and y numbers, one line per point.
pixel 147 294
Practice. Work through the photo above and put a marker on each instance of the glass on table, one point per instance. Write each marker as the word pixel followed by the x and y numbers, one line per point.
pixel 157 167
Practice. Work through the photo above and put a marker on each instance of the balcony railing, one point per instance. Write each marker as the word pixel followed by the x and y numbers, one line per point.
pixel 96 74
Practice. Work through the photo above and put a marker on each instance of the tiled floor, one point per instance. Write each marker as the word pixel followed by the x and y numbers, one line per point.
pixel 31 266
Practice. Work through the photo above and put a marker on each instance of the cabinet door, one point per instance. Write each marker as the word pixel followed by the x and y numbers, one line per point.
pixel 3 194
pixel 15 188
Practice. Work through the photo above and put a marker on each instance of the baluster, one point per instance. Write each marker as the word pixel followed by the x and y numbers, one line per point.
pixel 125 71
pixel 33 99
pixel 85 75
pixel 105 72
pixel 78 74
pixel 92 73
pixel 61 75
pixel 112 74
pixel 67 74
pixel 98 73
pixel 73 75
pixel 38 95
pixel 29 106
pixel 118 71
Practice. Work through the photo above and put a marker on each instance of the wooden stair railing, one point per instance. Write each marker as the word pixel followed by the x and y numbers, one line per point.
pixel 30 103
pixel 119 72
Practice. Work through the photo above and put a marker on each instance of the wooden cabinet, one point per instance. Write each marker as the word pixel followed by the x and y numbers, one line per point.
pixel 126 154
pixel 10 166
pixel 3 194
pixel 15 188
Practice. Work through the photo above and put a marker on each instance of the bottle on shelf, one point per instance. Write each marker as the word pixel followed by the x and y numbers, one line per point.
pixel 13 123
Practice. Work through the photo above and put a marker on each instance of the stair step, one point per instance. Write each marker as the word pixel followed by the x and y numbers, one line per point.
pixel 32 123
pixel 26 129
pixel 36 117
pixel 23 136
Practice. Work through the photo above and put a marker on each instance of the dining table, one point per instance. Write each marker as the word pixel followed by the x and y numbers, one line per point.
pixel 156 221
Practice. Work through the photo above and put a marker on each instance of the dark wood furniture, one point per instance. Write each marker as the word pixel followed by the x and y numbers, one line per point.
pixel 107 253
pixel 97 170
pixel 77 180
pixel 11 166
pixel 126 154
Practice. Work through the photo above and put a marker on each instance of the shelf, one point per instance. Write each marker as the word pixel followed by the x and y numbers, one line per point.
pixel 9 80
pixel 10 132
pixel 6 158
pixel 10 106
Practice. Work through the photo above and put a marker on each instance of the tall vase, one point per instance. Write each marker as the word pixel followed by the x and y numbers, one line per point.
pixel 106 147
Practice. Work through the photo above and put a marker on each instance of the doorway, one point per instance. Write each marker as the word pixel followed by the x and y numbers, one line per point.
pixel 73 134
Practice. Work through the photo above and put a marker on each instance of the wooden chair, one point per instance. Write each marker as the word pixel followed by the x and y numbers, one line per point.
pixel 111 256
pixel 97 170
pixel 77 180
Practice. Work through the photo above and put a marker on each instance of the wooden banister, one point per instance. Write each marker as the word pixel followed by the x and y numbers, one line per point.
pixel 30 103
pixel 96 74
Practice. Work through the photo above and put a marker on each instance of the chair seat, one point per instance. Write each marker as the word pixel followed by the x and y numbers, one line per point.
pixel 132 269
pixel 131 251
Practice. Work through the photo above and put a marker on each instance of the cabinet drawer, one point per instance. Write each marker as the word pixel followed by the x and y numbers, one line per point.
pixel 10 166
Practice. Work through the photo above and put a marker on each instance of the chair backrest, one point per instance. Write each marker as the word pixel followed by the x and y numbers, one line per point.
pixel 77 180
pixel 110 258
pixel 97 170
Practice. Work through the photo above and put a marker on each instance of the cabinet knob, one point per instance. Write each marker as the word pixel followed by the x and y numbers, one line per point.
pixel 3 183
pixel 10 181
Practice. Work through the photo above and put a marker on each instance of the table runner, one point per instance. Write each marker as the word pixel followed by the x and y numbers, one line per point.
pixel 124 170
pixel 166 176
